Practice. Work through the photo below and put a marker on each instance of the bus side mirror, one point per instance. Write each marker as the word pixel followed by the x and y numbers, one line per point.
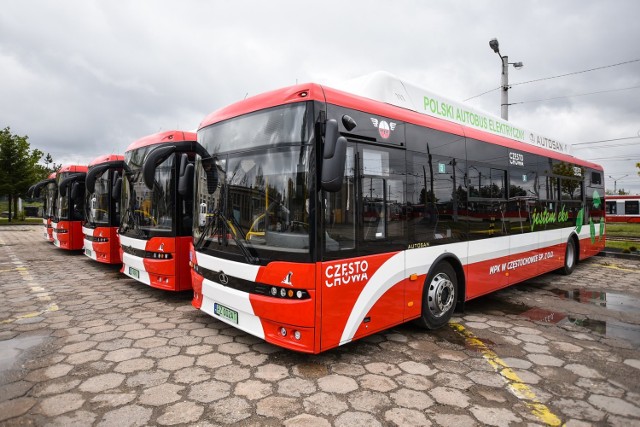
pixel 90 181
pixel 334 156
pixel 154 158
pixel 116 191
pixel 77 190
pixel 185 179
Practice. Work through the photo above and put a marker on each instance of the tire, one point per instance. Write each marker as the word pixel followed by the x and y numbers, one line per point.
pixel 570 258
pixel 439 296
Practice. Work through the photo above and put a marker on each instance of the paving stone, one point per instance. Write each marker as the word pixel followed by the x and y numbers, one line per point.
pixel 306 420
pixel 253 390
pixel 14 408
pixel 181 413
pixel 614 405
pixel 545 360
pixel 368 401
pixel 232 373
pixel 130 416
pixel 175 363
pixel 78 347
pixel 161 394
pixel 453 380
pixel 148 378
pixel 150 342
pixel 454 420
pixel 84 357
pixel 272 372
pixel 15 389
pixel 380 368
pixel 633 362
pixel 230 410
pixel 207 392
pixel 414 382
pixel 102 383
pixel 278 407
pixel 356 419
pixel 450 396
pixel 376 383
pixel 583 371
pixel 296 387
pixel 162 352
pixel 133 365
pixel 113 399
pixel 406 417
pixel 191 375
pixel 123 354
pixel 311 370
pixel 600 387
pixel 60 404
pixel 198 350
pixel 411 399
pixel 499 417
pixel 324 404
pixel 416 368
pixel 213 360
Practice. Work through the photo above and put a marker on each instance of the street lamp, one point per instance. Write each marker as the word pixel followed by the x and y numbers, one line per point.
pixel 504 104
pixel 615 182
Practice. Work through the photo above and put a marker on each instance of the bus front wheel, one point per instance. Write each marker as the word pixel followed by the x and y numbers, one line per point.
pixel 570 258
pixel 439 296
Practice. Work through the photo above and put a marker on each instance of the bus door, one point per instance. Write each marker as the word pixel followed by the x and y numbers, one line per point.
pixel 363 272
pixel 522 206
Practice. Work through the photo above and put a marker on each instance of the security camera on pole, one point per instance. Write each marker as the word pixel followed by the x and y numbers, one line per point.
pixel 504 104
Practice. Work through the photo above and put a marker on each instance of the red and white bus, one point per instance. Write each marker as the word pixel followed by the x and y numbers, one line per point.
pixel 102 209
pixel 155 229
pixel 623 208
pixel 69 212
pixel 325 216
pixel 48 190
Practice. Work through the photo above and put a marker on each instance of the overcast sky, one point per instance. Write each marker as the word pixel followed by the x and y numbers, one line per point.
pixel 84 78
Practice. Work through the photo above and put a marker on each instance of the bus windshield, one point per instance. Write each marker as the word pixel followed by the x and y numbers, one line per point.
pixel 51 192
pixel 147 213
pixel 66 208
pixel 98 203
pixel 260 209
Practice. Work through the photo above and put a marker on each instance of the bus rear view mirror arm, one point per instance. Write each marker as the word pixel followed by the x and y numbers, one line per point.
pixel 333 158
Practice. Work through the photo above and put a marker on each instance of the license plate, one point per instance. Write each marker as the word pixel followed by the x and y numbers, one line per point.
pixel 134 273
pixel 225 312
pixel 87 252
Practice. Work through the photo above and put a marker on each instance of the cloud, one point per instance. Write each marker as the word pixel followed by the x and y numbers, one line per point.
pixel 85 77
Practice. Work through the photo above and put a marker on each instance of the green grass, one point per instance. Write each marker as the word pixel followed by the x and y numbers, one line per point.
pixel 5 221
pixel 623 229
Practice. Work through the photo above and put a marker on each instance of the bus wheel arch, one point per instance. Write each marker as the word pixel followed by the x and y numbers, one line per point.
pixel 443 290
pixel 571 255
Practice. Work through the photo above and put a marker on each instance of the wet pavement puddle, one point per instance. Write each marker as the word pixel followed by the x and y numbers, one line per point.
pixel 609 300
pixel 11 350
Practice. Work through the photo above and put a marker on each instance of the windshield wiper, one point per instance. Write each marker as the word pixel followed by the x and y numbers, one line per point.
pixel 222 230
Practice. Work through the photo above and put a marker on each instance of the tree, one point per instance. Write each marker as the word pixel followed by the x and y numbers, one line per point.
pixel 19 167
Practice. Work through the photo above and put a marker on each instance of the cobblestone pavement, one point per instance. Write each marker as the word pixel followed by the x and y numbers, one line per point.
pixel 80 344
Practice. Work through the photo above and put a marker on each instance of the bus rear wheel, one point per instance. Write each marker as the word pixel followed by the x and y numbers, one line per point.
pixel 439 296
pixel 570 258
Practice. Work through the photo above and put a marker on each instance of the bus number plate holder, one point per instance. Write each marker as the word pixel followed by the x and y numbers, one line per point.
pixel 134 273
pixel 227 313
pixel 87 252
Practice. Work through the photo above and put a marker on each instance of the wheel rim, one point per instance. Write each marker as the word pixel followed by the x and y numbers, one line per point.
pixel 441 295
pixel 570 255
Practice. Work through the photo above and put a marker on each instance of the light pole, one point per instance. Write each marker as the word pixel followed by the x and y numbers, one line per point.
pixel 615 182
pixel 504 101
